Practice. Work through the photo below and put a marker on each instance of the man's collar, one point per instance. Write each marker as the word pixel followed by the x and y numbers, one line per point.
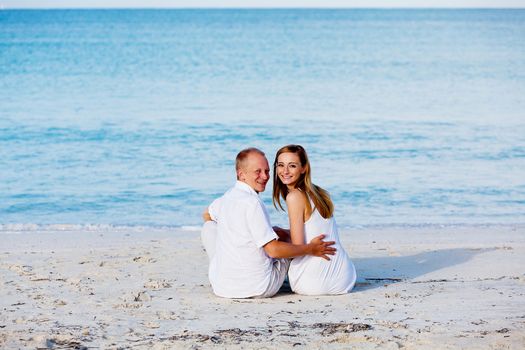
pixel 243 186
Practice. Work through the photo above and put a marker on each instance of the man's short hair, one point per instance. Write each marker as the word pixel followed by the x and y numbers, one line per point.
pixel 242 155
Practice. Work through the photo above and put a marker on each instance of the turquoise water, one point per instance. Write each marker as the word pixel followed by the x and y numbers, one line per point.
pixel 410 117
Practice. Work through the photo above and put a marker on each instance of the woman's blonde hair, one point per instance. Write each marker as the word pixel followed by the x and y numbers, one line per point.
pixel 319 197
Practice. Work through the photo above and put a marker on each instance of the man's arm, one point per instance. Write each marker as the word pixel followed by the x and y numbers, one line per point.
pixel 317 247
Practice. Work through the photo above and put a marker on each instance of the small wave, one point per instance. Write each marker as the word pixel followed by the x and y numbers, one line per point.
pixel 517 225
pixel 191 228
pixel 20 228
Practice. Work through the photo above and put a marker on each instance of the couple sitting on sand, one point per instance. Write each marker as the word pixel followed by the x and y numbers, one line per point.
pixel 249 258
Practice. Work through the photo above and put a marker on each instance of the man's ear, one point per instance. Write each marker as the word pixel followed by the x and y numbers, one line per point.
pixel 240 175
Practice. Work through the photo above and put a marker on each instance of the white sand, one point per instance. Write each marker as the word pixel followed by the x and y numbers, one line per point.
pixel 417 289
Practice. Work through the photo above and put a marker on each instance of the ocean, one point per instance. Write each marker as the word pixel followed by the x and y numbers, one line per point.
pixel 134 117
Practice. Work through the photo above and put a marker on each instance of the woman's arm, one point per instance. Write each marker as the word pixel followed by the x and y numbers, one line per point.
pixel 206 216
pixel 296 204
pixel 284 234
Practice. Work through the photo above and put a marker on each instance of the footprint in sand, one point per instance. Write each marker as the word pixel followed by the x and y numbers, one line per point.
pixel 157 284
pixel 63 342
pixel 22 270
pixel 133 300
pixel 166 315
pixel 74 281
pixel 20 320
pixel 151 325
pixel 59 302
pixel 144 260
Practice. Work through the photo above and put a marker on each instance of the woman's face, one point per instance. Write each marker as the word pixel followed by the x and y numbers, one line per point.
pixel 289 168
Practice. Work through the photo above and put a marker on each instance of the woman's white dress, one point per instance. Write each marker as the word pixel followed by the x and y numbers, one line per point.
pixel 311 275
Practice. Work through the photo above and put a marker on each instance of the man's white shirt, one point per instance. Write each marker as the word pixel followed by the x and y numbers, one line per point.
pixel 240 267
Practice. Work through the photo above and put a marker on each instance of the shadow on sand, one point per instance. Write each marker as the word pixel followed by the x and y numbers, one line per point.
pixel 379 271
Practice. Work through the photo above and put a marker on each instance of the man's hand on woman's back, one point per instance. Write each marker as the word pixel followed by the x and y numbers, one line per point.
pixel 321 248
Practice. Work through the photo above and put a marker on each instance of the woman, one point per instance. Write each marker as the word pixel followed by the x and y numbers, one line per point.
pixel 310 212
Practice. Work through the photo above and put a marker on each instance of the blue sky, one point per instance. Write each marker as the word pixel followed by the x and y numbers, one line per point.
pixel 258 3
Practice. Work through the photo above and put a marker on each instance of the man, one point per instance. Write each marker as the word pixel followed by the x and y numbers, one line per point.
pixel 247 258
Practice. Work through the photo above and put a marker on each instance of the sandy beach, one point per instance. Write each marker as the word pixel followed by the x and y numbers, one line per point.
pixel 418 288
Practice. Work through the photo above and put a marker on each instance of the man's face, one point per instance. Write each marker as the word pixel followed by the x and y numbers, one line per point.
pixel 255 172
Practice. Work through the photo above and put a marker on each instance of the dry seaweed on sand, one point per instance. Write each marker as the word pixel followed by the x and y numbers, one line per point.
pixel 331 328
